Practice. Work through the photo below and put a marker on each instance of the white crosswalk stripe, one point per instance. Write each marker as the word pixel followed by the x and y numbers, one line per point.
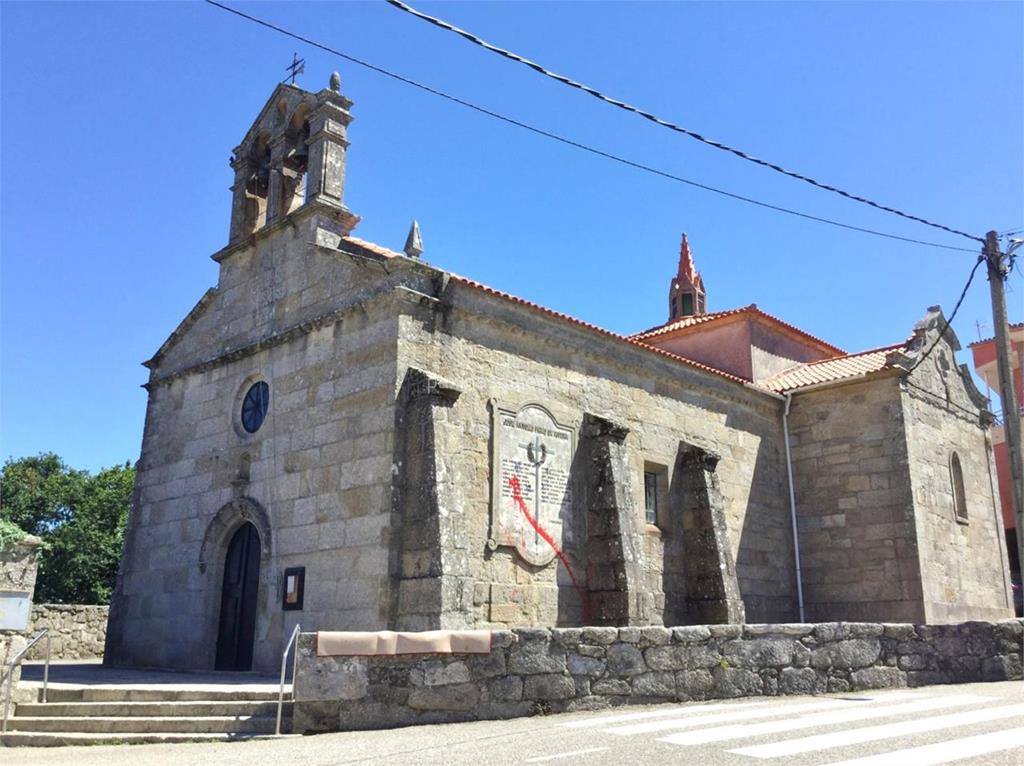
pixel 758 709
pixel 593 723
pixel 737 715
pixel 744 731
pixel 876 733
pixel 945 752
pixel 826 725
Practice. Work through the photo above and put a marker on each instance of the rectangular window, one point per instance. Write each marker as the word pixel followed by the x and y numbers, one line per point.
pixel 687 304
pixel 651 497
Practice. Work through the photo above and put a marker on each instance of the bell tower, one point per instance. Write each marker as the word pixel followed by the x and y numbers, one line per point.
pixel 293 155
pixel 686 293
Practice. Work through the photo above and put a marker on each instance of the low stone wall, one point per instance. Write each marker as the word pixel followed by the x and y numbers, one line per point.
pixel 77 631
pixel 539 670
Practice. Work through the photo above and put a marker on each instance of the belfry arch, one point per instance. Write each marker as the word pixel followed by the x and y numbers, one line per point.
pixel 294 153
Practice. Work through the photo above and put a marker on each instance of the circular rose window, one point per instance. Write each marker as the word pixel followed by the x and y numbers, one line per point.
pixel 255 406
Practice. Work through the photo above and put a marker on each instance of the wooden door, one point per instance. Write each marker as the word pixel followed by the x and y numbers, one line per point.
pixel 238 601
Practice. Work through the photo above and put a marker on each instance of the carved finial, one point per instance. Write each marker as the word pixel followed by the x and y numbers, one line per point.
pixel 414 242
pixel 335 82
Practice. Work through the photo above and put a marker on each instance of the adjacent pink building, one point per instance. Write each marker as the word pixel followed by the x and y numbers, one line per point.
pixel 985 365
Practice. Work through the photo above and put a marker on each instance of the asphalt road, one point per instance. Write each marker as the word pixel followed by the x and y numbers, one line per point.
pixel 970 724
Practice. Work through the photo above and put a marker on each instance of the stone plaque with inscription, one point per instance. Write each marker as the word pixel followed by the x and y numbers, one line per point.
pixel 532 490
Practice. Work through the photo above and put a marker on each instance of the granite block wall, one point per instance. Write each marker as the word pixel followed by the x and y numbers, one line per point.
pixel 964 566
pixel 538 670
pixel 857 528
pixel 505 355
pixel 77 631
pixel 318 326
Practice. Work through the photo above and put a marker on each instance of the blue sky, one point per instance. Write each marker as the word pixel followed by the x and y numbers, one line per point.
pixel 118 120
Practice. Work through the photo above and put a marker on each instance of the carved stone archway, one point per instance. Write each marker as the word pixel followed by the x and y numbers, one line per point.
pixel 228 519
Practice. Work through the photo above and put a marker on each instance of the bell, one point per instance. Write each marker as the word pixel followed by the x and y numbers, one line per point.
pixel 297 158
pixel 258 182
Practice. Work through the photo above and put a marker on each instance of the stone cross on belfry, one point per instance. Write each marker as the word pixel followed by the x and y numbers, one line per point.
pixel 297 67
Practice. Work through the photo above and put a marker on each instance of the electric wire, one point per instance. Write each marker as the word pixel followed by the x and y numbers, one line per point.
pixel 666 124
pixel 942 401
pixel 949 321
pixel 577 144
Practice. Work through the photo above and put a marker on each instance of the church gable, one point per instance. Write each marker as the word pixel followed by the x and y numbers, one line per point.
pixel 183 327
pixel 935 372
pixel 290 257
pixel 270 288
pixel 746 342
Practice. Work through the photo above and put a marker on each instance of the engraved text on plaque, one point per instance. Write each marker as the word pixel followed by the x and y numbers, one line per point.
pixel 531 463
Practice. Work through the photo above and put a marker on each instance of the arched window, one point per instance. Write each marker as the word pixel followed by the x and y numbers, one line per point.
pixel 956 479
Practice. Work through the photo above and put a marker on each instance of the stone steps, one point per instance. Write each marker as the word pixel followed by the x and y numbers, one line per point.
pixel 116 725
pixel 60 739
pixel 132 694
pixel 110 715
pixel 153 709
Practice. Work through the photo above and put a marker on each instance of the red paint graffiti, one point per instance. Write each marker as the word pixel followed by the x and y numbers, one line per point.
pixel 517 496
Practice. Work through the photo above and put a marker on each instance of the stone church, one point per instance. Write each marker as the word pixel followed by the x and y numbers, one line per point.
pixel 351 438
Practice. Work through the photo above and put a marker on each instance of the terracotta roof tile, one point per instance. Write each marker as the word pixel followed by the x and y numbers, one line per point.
pixel 834 369
pixel 638 339
pixel 594 328
pixel 752 309
pixel 690 321
pixel 371 247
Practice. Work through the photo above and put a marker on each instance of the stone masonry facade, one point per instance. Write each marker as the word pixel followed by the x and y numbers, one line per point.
pixel 872 469
pixel 857 525
pixel 485 341
pixel 539 670
pixel 433 453
pixel 939 421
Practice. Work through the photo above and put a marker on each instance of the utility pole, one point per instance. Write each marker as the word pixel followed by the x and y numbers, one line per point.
pixel 998 270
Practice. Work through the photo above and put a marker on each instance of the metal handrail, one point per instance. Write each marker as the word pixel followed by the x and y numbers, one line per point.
pixel 9 673
pixel 295 664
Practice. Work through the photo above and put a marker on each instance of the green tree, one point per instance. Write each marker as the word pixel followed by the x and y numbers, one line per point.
pixel 37 493
pixel 80 518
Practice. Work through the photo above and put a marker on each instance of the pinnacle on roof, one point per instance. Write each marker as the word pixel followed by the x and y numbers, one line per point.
pixel 686 267
pixel 686 292
pixel 414 242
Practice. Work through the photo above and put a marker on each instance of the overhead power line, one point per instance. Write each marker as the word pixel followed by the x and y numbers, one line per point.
pixel 948 322
pixel 666 124
pixel 577 144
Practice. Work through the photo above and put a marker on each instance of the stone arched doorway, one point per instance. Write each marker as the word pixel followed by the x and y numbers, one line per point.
pixel 236 632
pixel 241 516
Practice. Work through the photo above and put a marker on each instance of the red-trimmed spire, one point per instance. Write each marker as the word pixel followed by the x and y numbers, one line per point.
pixel 686 293
pixel 686 267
